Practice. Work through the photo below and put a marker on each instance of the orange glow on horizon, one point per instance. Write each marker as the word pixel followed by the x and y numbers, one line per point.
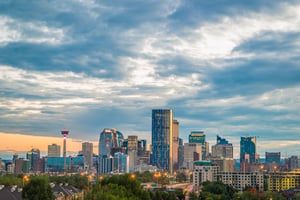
pixel 20 142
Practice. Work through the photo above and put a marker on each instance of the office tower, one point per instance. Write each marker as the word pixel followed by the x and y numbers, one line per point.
pixel 65 133
pixel 273 157
pixel 192 153
pixel 248 150
pixel 142 145
pixel 32 156
pixel 180 153
pixel 19 166
pixel 162 139
pixel 223 149
pixel 120 163
pixel 133 160
pixel 175 144
pixel 15 157
pixel 199 137
pixel 53 150
pixel 132 143
pixel 87 152
pixel 26 166
pixel 292 163
pixel 110 142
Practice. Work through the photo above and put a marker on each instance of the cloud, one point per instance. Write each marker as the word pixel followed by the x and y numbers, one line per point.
pixel 30 32
pixel 228 67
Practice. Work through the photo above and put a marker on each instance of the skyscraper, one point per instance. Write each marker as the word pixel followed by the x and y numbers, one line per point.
pixel 273 157
pixel 54 150
pixel 175 144
pixel 180 153
pixel 110 142
pixel 33 155
pixel 192 152
pixel 199 137
pixel 248 155
pixel 162 139
pixel 87 152
pixel 223 149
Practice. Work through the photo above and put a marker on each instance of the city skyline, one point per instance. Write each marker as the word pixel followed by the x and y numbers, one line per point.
pixel 228 69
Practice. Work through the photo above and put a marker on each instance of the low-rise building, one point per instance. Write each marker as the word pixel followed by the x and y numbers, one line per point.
pixel 240 180
pixel 278 181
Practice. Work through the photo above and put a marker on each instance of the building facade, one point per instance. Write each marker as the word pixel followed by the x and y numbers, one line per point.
pixel 273 158
pixel 87 152
pixel 240 180
pixel 53 150
pixel 175 144
pixel 199 137
pixel 223 149
pixel 204 171
pixel 162 139
pixel 192 153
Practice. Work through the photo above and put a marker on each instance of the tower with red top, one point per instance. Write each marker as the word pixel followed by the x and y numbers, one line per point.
pixel 65 132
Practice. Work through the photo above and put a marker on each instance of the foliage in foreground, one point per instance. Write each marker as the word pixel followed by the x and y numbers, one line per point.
pixel 38 188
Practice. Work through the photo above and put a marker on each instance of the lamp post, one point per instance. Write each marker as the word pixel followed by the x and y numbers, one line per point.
pixel 25 178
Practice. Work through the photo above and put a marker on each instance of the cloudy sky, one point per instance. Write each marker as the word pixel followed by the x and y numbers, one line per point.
pixel 226 67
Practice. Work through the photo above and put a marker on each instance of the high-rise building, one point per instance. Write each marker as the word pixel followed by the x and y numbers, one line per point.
pixel 248 155
pixel 33 155
pixel 292 162
pixel 110 142
pixel 19 166
pixel 162 139
pixel 223 149
pixel 53 150
pixel 180 153
pixel 273 157
pixel 248 150
pixel 192 153
pixel 87 152
pixel 132 143
pixel 120 163
pixel 175 143
pixel 199 137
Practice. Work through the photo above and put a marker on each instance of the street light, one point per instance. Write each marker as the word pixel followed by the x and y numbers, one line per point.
pixel 132 176
pixel 25 178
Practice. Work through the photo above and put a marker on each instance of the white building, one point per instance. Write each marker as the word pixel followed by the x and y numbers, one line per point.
pixel 204 171
pixel 208 171
pixel 240 180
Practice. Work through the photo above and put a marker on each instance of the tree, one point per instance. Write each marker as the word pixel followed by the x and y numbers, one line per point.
pixel 38 188
pixel 181 177
pixel 193 196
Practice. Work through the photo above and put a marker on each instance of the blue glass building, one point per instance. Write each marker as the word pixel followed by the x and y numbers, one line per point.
pixel 248 150
pixel 56 164
pixel 162 139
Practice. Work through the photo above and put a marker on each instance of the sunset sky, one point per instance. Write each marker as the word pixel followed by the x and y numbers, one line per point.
pixel 226 67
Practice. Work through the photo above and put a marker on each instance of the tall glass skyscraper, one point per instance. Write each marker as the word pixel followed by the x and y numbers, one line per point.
pixel 248 150
pixel 162 139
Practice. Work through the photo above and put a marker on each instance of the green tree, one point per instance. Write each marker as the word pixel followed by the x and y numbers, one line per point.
pixel 38 188
pixel 181 177
pixel 193 196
